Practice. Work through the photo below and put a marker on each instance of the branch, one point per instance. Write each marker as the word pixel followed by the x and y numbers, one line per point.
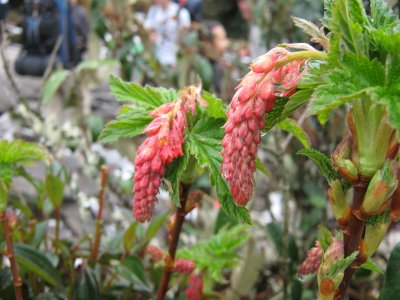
pixel 11 256
pixel 353 236
pixel 99 220
pixel 180 217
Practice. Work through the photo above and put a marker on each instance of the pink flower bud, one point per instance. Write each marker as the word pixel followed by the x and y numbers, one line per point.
pixel 162 146
pixel 157 254
pixel 195 288
pixel 313 260
pixel 255 96
pixel 184 266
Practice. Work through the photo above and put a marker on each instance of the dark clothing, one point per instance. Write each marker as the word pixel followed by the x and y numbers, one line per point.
pixel 194 7
pixel 81 23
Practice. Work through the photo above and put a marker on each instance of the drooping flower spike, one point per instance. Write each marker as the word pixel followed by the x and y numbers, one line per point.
pixel 255 96
pixel 161 147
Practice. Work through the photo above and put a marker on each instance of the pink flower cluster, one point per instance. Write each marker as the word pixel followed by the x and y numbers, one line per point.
pixel 184 266
pixel 161 147
pixel 313 260
pixel 195 288
pixel 255 96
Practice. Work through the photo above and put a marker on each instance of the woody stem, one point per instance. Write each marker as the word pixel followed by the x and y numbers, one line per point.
pixel 11 256
pixel 353 236
pixel 179 219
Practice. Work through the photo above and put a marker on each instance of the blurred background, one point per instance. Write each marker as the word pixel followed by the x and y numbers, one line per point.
pixel 56 58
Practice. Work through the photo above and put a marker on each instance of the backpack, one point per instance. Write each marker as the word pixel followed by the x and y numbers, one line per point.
pixel 43 22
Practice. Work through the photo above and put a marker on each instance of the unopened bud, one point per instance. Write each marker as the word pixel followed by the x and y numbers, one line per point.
pixel 184 266
pixel 348 170
pixel 381 187
pixel 337 198
pixel 157 254
pixel 313 260
pixel 343 150
pixel 374 235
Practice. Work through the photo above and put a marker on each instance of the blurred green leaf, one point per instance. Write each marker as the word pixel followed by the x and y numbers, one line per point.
pixel 275 232
pixel 133 270
pixel 129 236
pixel 391 287
pixel 40 232
pixel 55 190
pixel 276 115
pixel 36 262
pixel 52 84
pixel 155 225
pixel 291 126
pixel 296 290
pixel 204 69
pixel 86 286
pixel 21 152
pixel 260 167
pixel 325 238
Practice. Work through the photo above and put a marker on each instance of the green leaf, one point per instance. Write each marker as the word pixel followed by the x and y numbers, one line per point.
pixel 155 226
pixel 222 247
pixel 145 97
pixel 55 190
pixel 215 107
pixel 324 238
pixel 370 265
pixel 382 15
pixel 204 69
pixel 351 80
pixel 275 232
pixel 276 115
pixel 342 264
pixel 53 84
pixel 204 143
pixel 260 167
pixel 40 232
pixel 132 270
pixel 36 262
pixel 291 126
pixel 311 29
pixel 297 100
pixel 21 152
pixel 322 162
pixel 130 122
pixel 391 287
pixel 86 286
pixel 129 236
pixel 174 173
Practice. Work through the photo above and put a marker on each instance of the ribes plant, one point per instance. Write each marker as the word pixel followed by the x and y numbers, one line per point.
pixel 358 66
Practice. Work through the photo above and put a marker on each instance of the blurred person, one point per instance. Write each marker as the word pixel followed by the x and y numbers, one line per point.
pixel 194 7
pixel 3 9
pixel 256 45
pixel 213 45
pixel 80 20
pixel 164 21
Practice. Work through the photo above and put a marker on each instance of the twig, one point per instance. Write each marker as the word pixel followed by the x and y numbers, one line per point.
pixel 180 217
pixel 99 220
pixel 14 86
pixel 11 256
pixel 52 59
pixel 57 213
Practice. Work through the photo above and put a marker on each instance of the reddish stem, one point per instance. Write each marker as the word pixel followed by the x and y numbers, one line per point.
pixel 99 219
pixel 179 219
pixel 353 236
pixel 11 256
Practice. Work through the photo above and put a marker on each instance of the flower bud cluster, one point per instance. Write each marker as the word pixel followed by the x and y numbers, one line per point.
pixel 313 260
pixel 161 147
pixel 255 96
pixel 184 266
pixel 157 254
pixel 195 288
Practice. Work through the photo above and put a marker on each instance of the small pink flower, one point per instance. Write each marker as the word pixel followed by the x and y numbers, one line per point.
pixel 255 96
pixel 195 288
pixel 184 266
pixel 335 250
pixel 313 260
pixel 162 146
